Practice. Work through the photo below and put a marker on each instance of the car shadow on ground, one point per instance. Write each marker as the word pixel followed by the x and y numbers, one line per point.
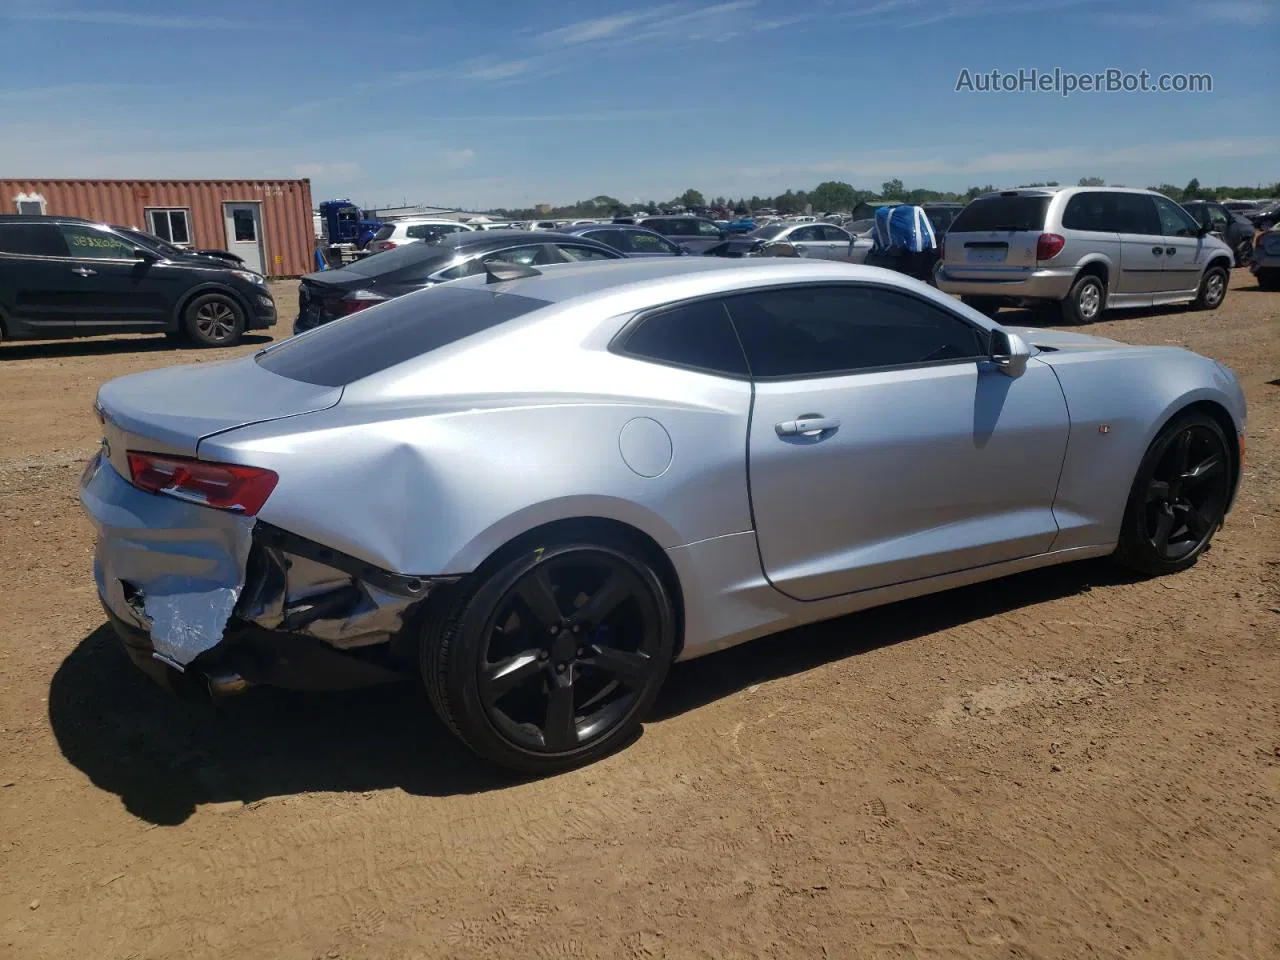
pixel 107 346
pixel 164 756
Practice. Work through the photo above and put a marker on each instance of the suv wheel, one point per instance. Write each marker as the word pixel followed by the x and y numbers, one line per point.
pixel 214 320
pixel 1213 289
pixel 1086 301
pixel 1244 252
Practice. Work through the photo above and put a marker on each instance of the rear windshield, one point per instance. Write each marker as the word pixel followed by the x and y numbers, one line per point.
pixel 398 258
pixel 363 344
pixel 1002 213
pixel 384 231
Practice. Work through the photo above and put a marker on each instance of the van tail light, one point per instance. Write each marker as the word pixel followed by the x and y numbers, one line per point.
pixel 222 486
pixel 1049 246
pixel 1257 240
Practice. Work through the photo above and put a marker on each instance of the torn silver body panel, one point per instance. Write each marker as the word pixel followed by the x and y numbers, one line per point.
pixel 184 574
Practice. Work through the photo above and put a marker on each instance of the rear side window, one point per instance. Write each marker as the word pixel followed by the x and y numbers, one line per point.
pixel 385 231
pixel 1090 211
pixel 637 242
pixel 363 344
pixel 1002 213
pixel 32 240
pixel 431 231
pixel 697 335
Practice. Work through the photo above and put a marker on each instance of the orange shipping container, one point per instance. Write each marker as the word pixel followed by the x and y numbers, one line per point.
pixel 267 222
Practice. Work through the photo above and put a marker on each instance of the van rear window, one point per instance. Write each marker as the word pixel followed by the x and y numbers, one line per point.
pixel 1002 213
pixel 362 344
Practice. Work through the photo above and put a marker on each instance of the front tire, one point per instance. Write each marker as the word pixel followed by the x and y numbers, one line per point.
pixel 1213 289
pixel 1178 499
pixel 214 320
pixel 1085 302
pixel 552 659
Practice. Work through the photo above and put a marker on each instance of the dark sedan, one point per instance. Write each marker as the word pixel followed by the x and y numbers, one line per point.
pixel 1235 229
pixel 331 294
pixel 629 239
pixel 695 234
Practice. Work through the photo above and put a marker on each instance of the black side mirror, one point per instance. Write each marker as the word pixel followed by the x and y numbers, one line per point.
pixel 1204 230
pixel 142 253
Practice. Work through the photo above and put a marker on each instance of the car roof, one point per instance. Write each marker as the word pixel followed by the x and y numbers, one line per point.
pixel 43 218
pixel 559 283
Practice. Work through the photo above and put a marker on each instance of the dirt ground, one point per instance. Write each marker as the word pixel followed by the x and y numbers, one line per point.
pixel 1063 764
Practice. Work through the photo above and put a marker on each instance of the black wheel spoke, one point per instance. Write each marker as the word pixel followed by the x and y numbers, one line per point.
pixel 559 731
pixel 539 596
pixel 1182 451
pixel 1197 522
pixel 1164 527
pixel 603 602
pixel 630 668
pixel 1202 470
pixel 506 675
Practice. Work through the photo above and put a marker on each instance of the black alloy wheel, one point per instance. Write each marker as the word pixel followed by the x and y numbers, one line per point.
pixel 1187 493
pixel 554 659
pixel 1179 498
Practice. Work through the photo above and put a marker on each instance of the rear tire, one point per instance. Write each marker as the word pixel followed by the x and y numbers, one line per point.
pixel 1178 499
pixel 1269 279
pixel 214 320
pixel 987 306
pixel 537 682
pixel 1086 301
pixel 1213 289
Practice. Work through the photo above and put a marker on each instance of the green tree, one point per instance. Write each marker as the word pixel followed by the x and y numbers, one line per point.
pixel 892 189
pixel 1169 190
pixel 831 196
pixel 1191 190
pixel 1091 182
pixel 691 198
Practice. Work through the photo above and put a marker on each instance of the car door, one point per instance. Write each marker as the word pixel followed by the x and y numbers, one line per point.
pixel 884 447
pixel 1184 257
pixel 1137 226
pixel 113 289
pixel 36 291
pixel 807 242
pixel 838 243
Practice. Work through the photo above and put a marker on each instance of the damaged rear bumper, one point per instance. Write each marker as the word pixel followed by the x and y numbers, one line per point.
pixel 188 586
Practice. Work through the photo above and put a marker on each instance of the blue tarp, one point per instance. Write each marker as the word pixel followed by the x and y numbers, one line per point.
pixel 903 227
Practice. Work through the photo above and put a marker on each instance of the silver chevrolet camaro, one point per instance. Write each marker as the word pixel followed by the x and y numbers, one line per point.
pixel 541 486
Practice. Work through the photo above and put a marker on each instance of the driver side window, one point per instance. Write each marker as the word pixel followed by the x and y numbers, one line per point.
pixel 817 331
pixel 1174 221
pixel 706 229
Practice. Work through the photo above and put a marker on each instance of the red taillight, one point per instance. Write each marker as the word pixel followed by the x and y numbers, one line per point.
pixel 387 245
pixel 354 301
pixel 223 486
pixel 1049 246
pixel 1257 240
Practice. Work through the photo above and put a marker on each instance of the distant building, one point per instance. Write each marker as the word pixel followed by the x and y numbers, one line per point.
pixel 267 222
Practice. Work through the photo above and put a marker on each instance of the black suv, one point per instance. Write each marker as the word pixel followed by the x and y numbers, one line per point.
pixel 68 277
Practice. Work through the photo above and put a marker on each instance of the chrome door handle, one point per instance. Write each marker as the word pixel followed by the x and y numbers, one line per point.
pixel 1170 251
pixel 84 271
pixel 808 427
pixel 1157 250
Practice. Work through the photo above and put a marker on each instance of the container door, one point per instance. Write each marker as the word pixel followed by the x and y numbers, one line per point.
pixel 244 233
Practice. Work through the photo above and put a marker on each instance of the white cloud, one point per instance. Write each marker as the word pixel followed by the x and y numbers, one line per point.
pixel 457 159
pixel 343 169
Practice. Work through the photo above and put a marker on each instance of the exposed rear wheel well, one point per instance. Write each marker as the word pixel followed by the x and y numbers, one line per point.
pixel 1097 269
pixel 600 530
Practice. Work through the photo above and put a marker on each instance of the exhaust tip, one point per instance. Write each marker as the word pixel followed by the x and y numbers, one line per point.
pixel 225 683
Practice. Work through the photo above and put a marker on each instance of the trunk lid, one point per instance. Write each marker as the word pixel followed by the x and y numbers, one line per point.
pixel 171 410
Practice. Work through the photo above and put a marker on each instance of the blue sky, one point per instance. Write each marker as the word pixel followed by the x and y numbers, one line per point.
pixel 484 103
